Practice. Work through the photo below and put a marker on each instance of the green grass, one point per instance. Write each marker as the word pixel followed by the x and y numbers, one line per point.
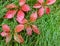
pixel 49 26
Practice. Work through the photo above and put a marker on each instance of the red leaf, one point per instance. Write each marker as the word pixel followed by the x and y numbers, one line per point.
pixel 29 30
pixel 3 34
pixel 19 28
pixel 10 14
pixel 35 29
pixel 6 28
pixel 20 15
pixel 41 11
pixel 37 5
pixel 22 2
pixel 18 38
pixel 11 6
pixel 21 39
pixel 18 20
pixel 47 10
pixel 33 17
pixel 50 2
pixel 40 1
pixel 23 21
pixel 25 8
pixel 8 38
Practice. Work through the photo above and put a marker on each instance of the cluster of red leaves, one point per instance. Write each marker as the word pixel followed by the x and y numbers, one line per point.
pixel 43 6
pixel 24 23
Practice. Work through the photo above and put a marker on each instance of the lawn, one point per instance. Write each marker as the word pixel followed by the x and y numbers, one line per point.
pixel 49 26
